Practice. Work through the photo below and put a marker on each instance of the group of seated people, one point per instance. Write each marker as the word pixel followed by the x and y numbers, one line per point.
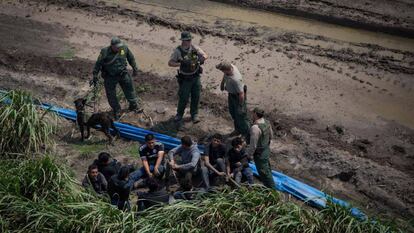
pixel 159 170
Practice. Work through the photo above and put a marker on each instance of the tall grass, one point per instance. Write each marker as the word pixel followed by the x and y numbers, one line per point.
pixel 41 196
pixel 24 129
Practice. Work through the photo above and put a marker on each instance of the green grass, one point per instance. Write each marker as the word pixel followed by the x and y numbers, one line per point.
pixel 132 151
pixel 25 128
pixel 86 149
pixel 67 54
pixel 143 88
pixel 39 195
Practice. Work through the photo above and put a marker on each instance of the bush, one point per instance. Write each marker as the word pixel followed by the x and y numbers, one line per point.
pixel 38 195
pixel 23 129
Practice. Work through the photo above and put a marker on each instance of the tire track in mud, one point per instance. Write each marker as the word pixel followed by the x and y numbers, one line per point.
pixel 340 13
pixel 263 37
pixel 322 159
pixel 314 154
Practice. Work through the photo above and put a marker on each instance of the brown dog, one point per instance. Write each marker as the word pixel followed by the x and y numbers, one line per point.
pixel 100 118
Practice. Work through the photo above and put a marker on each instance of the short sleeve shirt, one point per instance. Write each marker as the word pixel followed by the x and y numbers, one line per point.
pixel 234 83
pixel 151 155
pixel 215 153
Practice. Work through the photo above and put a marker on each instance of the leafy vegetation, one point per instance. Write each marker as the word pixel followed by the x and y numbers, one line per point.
pixel 38 195
pixel 24 128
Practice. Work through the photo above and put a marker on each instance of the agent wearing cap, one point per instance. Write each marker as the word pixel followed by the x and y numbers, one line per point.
pixel 232 83
pixel 112 62
pixel 260 137
pixel 189 59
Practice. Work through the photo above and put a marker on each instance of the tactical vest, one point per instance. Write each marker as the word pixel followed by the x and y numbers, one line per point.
pixel 190 64
pixel 264 139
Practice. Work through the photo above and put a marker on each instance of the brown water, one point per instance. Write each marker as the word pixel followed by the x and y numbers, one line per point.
pixel 208 9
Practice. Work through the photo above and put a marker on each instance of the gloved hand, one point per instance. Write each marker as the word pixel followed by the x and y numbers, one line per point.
pixel 94 81
pixel 134 73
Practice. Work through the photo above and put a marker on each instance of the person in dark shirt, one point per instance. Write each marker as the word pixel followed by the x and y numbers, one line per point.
pixel 214 159
pixel 156 195
pixel 119 189
pixel 238 162
pixel 152 156
pixel 106 165
pixel 95 180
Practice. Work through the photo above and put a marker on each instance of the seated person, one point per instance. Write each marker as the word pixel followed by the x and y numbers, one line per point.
pixel 155 196
pixel 95 180
pixel 152 156
pixel 119 189
pixel 184 162
pixel 214 159
pixel 238 162
pixel 106 165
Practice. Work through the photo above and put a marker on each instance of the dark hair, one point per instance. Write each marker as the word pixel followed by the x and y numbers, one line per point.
pixel 236 141
pixel 149 137
pixel 123 172
pixel 92 167
pixel 217 136
pixel 103 157
pixel 259 115
pixel 186 141
pixel 153 184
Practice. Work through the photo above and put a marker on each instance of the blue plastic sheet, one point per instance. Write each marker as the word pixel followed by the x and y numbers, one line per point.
pixel 283 182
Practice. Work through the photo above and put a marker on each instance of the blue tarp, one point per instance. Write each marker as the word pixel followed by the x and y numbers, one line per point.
pixel 283 182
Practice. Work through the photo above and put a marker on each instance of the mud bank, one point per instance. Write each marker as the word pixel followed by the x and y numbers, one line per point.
pixel 333 159
pixel 50 48
pixel 393 17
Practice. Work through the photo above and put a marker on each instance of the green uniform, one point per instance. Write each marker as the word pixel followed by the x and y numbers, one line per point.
pixel 260 136
pixel 188 78
pixel 233 85
pixel 113 67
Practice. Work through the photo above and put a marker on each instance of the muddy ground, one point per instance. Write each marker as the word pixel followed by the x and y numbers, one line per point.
pixel 342 110
pixel 395 17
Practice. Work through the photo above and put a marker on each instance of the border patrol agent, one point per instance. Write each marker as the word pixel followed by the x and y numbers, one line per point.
pixel 260 137
pixel 112 62
pixel 232 83
pixel 189 59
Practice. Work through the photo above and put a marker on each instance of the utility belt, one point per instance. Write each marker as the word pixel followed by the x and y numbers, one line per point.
pixel 188 77
pixel 120 74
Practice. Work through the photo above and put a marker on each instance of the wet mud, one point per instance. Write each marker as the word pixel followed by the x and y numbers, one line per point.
pixel 368 163
pixel 394 17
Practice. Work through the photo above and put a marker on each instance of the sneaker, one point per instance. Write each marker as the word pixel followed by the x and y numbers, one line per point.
pixel 195 119
pixel 178 118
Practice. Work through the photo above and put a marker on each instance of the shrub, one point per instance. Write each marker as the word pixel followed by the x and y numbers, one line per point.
pixel 23 129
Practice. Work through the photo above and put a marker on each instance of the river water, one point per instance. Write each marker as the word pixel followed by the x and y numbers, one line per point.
pixel 280 21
